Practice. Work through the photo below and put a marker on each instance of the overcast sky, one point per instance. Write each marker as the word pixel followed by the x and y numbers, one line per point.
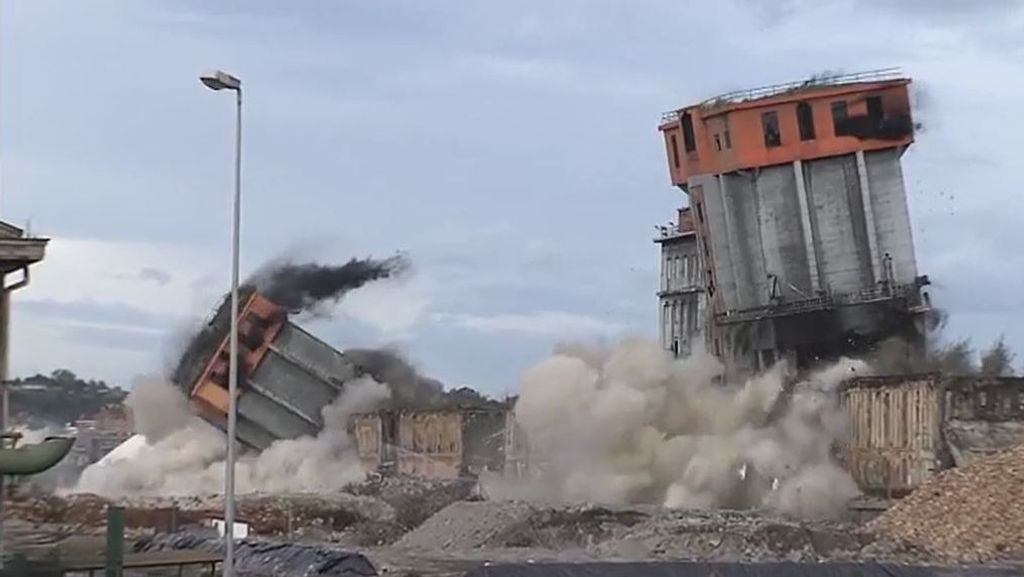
pixel 510 148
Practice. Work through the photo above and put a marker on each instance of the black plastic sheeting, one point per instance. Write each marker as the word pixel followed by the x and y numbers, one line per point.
pixel 697 569
pixel 256 558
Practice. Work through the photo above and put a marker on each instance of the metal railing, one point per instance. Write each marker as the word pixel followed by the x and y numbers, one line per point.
pixel 882 293
pixel 827 79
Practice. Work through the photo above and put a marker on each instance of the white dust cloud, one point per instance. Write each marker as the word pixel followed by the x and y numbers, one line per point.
pixel 629 424
pixel 179 454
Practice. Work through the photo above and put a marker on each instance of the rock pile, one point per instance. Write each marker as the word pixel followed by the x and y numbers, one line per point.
pixel 646 533
pixel 969 514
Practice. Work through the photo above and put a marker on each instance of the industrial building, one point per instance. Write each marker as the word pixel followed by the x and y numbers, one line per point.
pixel 445 443
pixel 18 251
pixel 681 295
pixel 800 219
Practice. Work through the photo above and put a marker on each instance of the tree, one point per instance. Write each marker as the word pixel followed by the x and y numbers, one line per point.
pixel 954 359
pixel 997 361
pixel 60 398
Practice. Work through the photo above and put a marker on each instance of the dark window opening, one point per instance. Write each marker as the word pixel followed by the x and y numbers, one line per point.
pixel 675 150
pixel 805 120
pixel 700 212
pixel 707 252
pixel 728 139
pixel 718 142
pixel 839 116
pixel 689 142
pixel 770 125
pixel 875 109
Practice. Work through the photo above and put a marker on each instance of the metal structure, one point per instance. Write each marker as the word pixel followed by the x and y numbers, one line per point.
pixel 219 80
pixel 18 251
pixel 800 218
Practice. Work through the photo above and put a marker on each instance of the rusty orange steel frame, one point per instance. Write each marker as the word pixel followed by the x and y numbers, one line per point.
pixel 260 320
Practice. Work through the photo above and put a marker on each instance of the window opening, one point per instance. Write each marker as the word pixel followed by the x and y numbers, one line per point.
pixel 770 125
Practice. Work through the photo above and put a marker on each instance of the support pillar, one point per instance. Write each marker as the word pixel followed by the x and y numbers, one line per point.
pixel 869 217
pixel 805 223
pixel 114 558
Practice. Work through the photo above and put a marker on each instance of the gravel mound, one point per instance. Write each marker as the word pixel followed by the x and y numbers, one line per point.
pixel 748 537
pixel 415 499
pixel 467 525
pixel 642 533
pixel 968 514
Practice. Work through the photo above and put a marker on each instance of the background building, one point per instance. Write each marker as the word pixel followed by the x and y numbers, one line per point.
pixel 680 298
pixel 800 217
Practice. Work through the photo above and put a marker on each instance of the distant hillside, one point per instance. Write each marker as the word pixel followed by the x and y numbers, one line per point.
pixel 59 398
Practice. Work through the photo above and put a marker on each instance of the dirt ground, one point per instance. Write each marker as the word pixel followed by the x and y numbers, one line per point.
pixel 423 527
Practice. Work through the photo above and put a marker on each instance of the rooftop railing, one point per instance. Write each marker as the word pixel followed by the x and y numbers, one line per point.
pixel 882 293
pixel 827 79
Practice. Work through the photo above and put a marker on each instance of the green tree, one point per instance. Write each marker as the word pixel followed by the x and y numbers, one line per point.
pixel 997 361
pixel 60 398
pixel 956 358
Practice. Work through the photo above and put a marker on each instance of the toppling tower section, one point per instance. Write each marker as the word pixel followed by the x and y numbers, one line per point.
pixel 286 375
pixel 800 220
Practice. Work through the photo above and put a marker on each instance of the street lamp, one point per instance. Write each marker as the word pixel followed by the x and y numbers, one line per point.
pixel 218 80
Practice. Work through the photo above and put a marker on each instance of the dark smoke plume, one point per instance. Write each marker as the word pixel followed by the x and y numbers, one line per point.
pixel 302 287
pixel 409 389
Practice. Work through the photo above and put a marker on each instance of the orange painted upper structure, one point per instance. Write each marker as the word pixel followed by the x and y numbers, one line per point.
pixel 259 321
pixel 782 124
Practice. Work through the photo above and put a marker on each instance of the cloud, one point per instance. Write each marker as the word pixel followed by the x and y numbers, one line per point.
pixel 160 277
pixel 122 273
pixel 511 146
pixel 546 323
pixel 390 307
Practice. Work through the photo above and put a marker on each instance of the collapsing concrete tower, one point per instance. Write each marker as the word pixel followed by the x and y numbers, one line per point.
pixel 800 218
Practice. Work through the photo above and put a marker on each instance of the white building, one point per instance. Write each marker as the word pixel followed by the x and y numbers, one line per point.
pixel 681 303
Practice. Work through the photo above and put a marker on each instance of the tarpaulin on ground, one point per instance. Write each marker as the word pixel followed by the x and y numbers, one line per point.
pixel 255 557
pixel 699 569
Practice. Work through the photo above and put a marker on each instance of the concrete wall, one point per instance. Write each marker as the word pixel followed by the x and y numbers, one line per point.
pixel 891 215
pixel 757 228
pixel 837 222
pixel 437 443
pixel 792 232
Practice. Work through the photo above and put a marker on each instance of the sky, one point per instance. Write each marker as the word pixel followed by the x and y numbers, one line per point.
pixel 510 149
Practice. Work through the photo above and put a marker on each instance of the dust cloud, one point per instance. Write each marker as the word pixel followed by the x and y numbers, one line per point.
pixel 179 454
pixel 628 424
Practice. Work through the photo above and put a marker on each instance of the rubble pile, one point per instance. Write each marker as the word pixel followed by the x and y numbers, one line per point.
pixel 415 499
pixel 968 514
pixel 749 537
pixel 299 515
pixel 640 533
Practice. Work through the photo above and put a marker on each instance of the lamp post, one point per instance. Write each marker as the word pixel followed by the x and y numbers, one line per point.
pixel 218 80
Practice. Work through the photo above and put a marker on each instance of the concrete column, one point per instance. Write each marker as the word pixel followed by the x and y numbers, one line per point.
pixel 805 223
pixel 730 242
pixel 684 327
pixel 869 217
